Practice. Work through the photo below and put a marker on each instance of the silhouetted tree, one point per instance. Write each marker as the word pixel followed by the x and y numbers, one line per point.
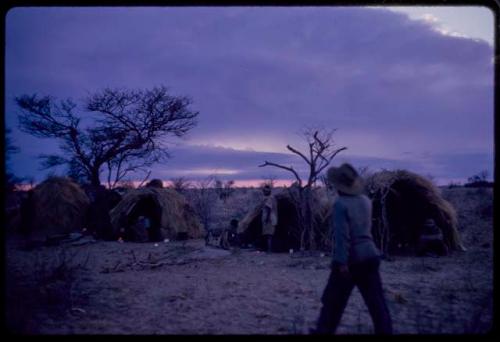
pixel 203 199
pixel 321 152
pixel 269 180
pixel 224 189
pixel 10 148
pixel 180 184
pixel 479 180
pixel 126 132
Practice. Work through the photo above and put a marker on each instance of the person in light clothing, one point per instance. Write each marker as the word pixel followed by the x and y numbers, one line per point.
pixel 269 216
pixel 356 259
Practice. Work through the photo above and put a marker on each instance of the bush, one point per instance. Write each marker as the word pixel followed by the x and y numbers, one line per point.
pixel 47 288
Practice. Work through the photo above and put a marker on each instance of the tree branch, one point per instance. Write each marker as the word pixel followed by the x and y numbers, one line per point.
pixel 266 163
pixel 298 153
pixel 331 158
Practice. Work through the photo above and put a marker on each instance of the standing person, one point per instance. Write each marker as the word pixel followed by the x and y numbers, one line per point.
pixel 356 259
pixel 269 217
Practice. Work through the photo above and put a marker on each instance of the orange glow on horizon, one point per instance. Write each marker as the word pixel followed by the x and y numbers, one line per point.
pixel 245 183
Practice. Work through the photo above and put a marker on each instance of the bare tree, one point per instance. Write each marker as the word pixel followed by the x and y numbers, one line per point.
pixel 320 153
pixel 203 199
pixel 269 180
pixel 10 149
pixel 224 189
pixel 180 184
pixel 144 180
pixel 483 175
pixel 127 132
pixel 364 171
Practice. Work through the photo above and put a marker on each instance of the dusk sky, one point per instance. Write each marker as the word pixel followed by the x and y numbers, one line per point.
pixel 408 89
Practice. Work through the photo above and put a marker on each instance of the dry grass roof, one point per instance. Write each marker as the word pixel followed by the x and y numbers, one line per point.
pixel 382 184
pixel 60 207
pixel 176 214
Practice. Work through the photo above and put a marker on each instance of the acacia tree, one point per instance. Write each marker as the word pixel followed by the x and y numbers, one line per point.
pixel 320 153
pixel 127 131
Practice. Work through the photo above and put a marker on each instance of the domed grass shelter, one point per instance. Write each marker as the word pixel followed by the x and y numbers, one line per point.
pixel 288 230
pixel 56 206
pixel 155 183
pixel 402 202
pixel 168 214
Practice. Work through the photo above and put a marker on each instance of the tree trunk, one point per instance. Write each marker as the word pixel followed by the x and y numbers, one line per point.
pixel 94 177
pixel 308 218
pixel 305 213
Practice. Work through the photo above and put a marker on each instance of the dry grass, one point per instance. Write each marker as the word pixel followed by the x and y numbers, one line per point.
pixel 177 216
pixel 48 290
pixel 177 288
pixel 381 185
pixel 60 207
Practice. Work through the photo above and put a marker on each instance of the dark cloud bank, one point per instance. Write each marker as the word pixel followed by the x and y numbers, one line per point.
pixel 401 94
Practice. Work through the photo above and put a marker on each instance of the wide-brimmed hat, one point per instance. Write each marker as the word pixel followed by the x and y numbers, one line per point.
pixel 346 179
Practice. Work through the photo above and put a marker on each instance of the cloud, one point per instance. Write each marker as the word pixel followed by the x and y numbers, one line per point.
pixel 258 75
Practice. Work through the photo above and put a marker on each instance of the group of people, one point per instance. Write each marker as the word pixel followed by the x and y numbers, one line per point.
pixel 355 257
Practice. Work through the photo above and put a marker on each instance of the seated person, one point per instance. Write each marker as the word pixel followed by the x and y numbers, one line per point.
pixel 430 241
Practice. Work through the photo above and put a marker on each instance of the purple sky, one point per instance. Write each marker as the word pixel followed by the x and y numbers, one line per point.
pixel 400 93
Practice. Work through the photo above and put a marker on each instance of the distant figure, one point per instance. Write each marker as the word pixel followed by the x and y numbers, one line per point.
pixel 269 217
pixel 139 230
pixel 356 259
pixel 430 241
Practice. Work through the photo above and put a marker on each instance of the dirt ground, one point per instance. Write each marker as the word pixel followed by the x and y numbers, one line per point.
pixel 186 287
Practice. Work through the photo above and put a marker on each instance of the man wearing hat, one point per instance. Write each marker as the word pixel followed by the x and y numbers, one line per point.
pixel 269 217
pixel 356 259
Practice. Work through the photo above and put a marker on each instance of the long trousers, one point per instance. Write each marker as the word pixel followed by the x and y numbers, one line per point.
pixel 365 275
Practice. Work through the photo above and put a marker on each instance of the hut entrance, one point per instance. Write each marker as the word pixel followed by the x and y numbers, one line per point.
pixel 407 210
pixel 286 235
pixel 403 205
pixel 143 222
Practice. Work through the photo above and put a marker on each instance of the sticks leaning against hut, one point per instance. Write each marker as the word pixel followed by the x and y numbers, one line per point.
pixel 402 200
pixel 378 187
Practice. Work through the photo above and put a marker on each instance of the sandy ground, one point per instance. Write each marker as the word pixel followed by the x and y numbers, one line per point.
pixel 188 288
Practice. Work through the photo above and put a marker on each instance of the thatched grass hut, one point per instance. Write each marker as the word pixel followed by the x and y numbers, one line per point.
pixel 402 201
pixel 169 214
pixel 59 206
pixel 288 230
pixel 155 183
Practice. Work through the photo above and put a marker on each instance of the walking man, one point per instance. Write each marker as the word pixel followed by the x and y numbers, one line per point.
pixel 356 259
